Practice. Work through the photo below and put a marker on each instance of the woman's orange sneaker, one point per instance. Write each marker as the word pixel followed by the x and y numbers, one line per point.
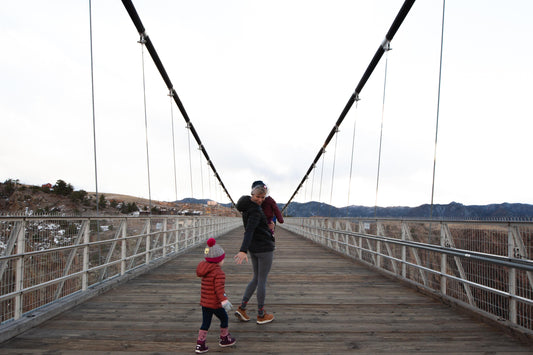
pixel 265 318
pixel 241 314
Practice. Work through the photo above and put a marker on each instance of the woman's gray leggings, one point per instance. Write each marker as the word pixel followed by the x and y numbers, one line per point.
pixel 261 262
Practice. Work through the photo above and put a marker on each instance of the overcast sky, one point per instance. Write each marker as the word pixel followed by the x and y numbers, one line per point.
pixel 263 83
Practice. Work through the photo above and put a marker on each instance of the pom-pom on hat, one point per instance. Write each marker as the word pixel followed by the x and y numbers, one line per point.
pixel 213 252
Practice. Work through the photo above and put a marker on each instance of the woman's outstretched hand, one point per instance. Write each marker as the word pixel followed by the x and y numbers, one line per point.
pixel 240 257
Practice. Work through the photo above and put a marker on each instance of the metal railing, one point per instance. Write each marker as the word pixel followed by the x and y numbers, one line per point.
pixel 45 259
pixel 485 267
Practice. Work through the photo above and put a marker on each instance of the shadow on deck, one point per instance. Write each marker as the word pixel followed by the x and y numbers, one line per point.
pixel 323 303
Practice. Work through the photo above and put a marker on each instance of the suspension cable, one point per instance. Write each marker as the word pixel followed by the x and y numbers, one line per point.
pixel 173 148
pixel 381 132
pixel 402 14
pixel 143 42
pixel 157 61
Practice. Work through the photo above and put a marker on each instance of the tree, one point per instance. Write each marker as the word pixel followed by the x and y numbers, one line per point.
pixel 129 208
pixel 102 202
pixel 62 188
pixel 80 195
pixel 10 186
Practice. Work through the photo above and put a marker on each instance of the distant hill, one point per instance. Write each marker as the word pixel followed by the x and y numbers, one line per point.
pixel 452 210
pixel 61 198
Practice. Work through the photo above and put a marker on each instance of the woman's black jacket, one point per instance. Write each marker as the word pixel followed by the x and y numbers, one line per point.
pixel 257 235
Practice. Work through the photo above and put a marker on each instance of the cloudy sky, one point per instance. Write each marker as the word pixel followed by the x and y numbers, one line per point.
pixel 263 83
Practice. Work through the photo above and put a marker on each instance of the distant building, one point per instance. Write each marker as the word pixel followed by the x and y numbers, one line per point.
pixel 212 203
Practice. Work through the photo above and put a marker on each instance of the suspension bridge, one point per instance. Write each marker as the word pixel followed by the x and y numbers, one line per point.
pixel 126 284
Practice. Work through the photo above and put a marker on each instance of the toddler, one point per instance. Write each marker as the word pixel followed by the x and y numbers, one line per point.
pixel 213 297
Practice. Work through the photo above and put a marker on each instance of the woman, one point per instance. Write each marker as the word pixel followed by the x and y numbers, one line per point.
pixel 259 242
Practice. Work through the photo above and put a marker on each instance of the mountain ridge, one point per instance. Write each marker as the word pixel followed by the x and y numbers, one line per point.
pixel 451 210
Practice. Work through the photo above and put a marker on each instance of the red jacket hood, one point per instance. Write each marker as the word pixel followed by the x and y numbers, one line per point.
pixel 205 268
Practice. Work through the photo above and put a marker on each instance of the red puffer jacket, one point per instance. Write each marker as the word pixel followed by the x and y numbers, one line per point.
pixel 213 282
pixel 270 209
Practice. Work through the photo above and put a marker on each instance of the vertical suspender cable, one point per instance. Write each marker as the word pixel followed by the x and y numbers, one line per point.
pixel 142 42
pixel 190 159
pixel 438 110
pixel 313 182
pixel 351 159
pixel 92 98
pixel 210 182
pixel 381 135
pixel 320 185
pixel 94 129
pixel 321 176
pixel 173 148
pixel 333 171
pixel 437 121
pixel 305 191
pixel 201 173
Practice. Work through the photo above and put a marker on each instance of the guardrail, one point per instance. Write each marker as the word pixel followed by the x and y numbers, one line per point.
pixel 483 266
pixel 46 259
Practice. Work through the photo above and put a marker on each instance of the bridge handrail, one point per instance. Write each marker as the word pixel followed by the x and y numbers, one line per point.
pixel 482 266
pixel 45 259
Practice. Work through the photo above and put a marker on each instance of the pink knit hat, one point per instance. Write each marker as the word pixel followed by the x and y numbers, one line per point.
pixel 214 253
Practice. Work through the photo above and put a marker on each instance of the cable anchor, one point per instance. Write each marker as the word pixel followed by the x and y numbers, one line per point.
pixel 142 39
pixel 386 45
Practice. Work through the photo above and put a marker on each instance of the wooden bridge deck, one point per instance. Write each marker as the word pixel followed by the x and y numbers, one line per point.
pixel 323 303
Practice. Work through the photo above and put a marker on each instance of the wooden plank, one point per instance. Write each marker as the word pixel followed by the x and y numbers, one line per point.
pixel 323 303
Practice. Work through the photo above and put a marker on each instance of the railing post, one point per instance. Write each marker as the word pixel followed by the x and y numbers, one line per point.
pixel 404 249
pixel 336 235
pixel 443 260
pixel 124 247
pixel 193 231
pixel 347 238
pixel 512 277
pixel 176 234
pixel 360 240
pixel 380 232
pixel 165 237
pixel 148 240
pixel 86 240
pixel 19 274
